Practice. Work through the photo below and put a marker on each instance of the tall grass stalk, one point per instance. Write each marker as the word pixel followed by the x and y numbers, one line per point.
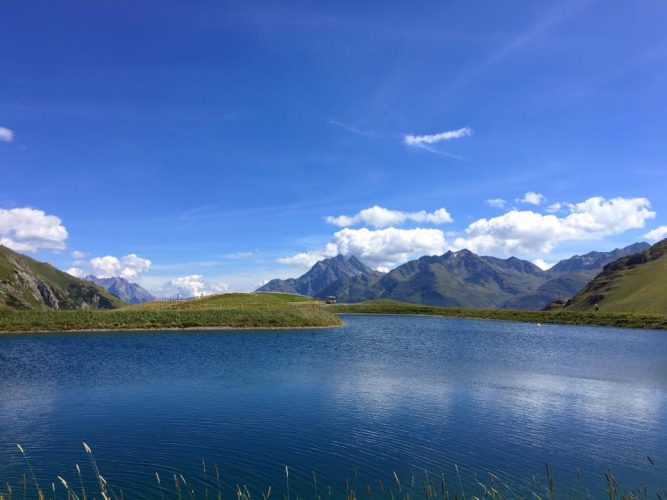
pixel 40 495
pixel 100 480
pixel 83 489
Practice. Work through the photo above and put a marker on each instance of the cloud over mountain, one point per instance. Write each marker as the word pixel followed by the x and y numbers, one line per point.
pixel 516 232
pixel 526 232
pixel 29 230
pixel 129 267
pixel 193 285
pixel 656 234
pixel 379 247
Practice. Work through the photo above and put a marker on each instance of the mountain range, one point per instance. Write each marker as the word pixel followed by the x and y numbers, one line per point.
pixel 26 283
pixel 123 289
pixel 635 283
pixel 456 279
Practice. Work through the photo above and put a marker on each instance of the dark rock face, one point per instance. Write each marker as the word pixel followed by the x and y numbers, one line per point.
pixel 29 284
pixel 48 295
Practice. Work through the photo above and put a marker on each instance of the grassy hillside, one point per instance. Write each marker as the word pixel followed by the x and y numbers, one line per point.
pixel 631 284
pixel 26 283
pixel 239 310
pixel 560 316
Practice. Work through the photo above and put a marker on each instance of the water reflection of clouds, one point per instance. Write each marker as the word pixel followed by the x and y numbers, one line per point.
pixel 380 394
pixel 542 403
pixel 26 417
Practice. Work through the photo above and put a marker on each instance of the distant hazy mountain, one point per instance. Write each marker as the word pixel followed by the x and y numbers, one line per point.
pixel 569 276
pixel 460 279
pixel 123 289
pixel 634 283
pixel 323 278
pixel 457 279
pixel 29 284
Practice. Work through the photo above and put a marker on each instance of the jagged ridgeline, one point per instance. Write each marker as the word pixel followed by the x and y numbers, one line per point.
pixel 131 293
pixel 26 283
pixel 636 283
pixel 457 279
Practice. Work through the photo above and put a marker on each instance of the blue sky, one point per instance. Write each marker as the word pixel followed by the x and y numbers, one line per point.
pixel 214 138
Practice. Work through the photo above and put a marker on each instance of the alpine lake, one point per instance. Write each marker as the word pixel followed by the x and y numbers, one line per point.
pixel 382 406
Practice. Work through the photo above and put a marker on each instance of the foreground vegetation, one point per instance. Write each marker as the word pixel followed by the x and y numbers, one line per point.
pixel 451 485
pixel 633 283
pixel 237 310
pixel 630 320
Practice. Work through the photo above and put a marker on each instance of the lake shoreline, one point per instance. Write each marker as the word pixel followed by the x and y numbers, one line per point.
pixel 618 320
pixel 224 329
pixel 500 320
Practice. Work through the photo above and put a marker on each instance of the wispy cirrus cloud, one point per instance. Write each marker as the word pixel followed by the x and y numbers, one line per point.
pixel 428 142
pixel 420 140
pixel 496 203
pixel 353 129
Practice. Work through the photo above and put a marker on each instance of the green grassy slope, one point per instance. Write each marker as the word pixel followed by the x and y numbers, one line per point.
pixel 631 284
pixel 237 310
pixel 26 283
pixel 560 316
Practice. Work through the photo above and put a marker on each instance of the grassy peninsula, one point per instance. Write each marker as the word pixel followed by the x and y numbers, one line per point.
pixel 628 320
pixel 232 310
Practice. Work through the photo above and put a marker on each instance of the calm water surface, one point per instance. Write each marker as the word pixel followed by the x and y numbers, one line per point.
pixel 381 394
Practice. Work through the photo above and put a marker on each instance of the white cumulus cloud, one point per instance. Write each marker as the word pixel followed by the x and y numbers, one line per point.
pixel 193 285
pixel 532 198
pixel 28 230
pixel 76 272
pixel 6 135
pixel 657 234
pixel 526 232
pixel 379 217
pixel 420 140
pixel 542 264
pixel 76 254
pixel 129 267
pixel 380 248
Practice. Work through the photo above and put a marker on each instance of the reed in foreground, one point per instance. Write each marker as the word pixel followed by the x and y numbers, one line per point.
pixel 426 485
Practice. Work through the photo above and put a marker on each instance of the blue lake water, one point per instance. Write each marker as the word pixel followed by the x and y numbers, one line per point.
pixel 381 394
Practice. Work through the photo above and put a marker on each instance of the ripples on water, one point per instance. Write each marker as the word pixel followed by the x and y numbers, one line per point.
pixel 381 394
